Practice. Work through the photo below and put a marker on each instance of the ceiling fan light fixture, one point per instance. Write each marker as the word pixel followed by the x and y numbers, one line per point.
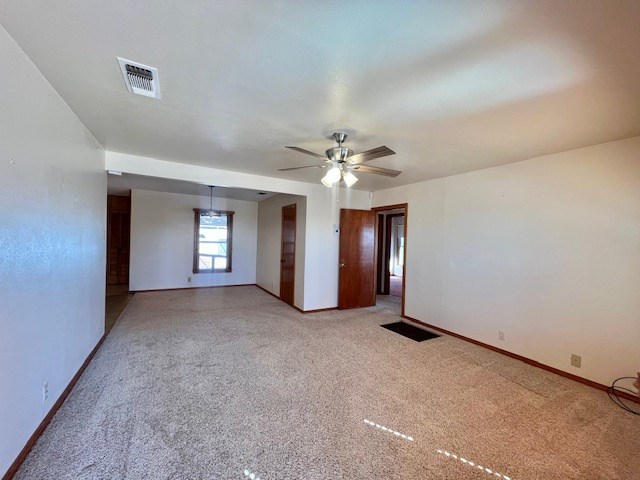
pixel 349 178
pixel 332 176
pixel 326 182
pixel 341 160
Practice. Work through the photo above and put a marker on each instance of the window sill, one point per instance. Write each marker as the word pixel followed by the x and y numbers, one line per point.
pixel 198 272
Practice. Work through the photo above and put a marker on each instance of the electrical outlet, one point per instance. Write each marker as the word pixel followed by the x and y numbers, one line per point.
pixel 45 392
pixel 576 360
pixel 501 335
pixel 189 280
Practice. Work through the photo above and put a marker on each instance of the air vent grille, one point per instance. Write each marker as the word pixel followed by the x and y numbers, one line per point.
pixel 140 79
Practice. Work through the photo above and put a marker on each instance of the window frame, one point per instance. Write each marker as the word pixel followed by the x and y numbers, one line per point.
pixel 198 212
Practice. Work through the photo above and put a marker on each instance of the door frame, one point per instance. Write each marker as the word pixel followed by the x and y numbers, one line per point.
pixel 114 206
pixel 294 206
pixel 379 210
pixel 385 257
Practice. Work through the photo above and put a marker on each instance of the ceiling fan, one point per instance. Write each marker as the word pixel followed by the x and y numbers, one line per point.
pixel 342 162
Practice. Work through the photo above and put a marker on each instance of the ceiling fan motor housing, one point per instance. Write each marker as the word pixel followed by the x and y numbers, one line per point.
pixel 338 154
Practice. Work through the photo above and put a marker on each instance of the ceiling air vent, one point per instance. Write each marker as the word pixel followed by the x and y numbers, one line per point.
pixel 140 79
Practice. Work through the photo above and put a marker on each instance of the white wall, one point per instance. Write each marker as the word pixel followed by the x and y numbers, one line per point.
pixel 547 250
pixel 162 241
pixel 322 245
pixel 323 207
pixel 270 243
pixel 53 194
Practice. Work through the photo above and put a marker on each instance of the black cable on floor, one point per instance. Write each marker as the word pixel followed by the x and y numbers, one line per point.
pixel 612 392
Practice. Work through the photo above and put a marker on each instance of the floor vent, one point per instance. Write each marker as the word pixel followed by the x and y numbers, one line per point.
pixel 140 79
pixel 409 331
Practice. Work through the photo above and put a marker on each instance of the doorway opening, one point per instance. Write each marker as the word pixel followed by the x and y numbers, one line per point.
pixel 391 256
pixel 288 254
pixel 118 240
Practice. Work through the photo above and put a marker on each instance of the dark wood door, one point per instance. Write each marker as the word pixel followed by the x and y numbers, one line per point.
pixel 356 282
pixel 288 254
pixel 118 233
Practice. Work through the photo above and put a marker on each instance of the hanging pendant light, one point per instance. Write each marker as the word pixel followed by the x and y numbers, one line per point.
pixel 211 212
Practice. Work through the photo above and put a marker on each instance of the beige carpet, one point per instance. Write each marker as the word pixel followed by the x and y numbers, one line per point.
pixel 114 305
pixel 208 383
pixel 395 286
pixel 389 304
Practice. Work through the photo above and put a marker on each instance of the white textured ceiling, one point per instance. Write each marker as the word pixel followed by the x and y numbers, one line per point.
pixel 451 86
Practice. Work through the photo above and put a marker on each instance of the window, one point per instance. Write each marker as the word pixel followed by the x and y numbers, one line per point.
pixel 212 241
